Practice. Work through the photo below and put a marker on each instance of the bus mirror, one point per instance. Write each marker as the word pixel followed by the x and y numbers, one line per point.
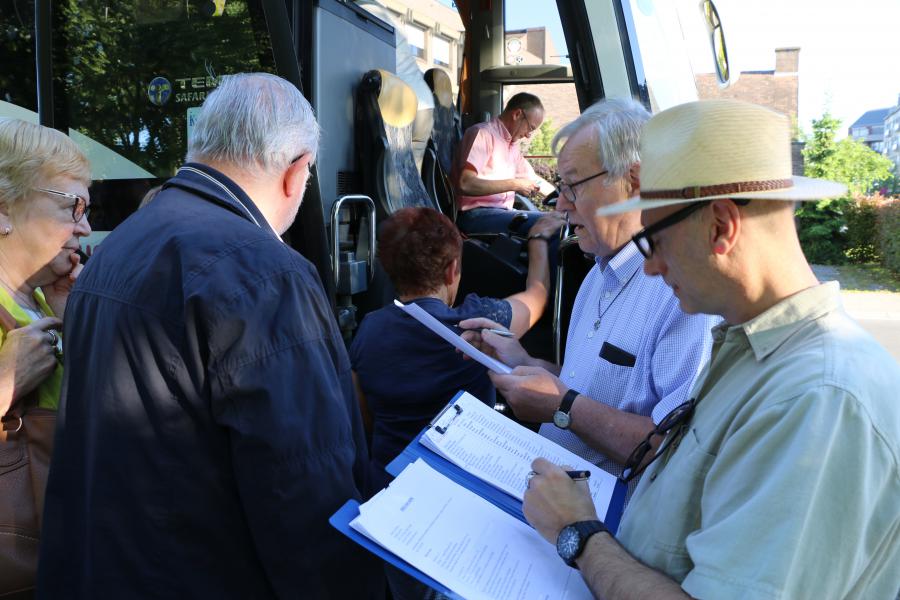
pixel 212 8
pixel 724 69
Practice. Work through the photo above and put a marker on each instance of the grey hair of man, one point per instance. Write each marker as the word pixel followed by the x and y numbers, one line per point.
pixel 617 125
pixel 257 121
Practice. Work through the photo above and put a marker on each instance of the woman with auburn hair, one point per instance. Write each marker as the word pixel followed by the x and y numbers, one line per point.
pixel 44 181
pixel 404 373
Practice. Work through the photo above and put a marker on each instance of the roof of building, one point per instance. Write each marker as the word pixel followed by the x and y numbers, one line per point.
pixel 872 117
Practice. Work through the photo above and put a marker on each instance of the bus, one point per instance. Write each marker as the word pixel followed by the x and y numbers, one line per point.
pixel 126 81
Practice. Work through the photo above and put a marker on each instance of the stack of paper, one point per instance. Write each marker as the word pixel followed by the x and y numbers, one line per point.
pixel 463 541
pixel 499 451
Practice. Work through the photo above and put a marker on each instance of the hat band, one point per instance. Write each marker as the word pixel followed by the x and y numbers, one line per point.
pixel 722 189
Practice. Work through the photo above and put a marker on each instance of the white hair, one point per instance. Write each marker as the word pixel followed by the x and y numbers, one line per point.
pixel 254 120
pixel 617 125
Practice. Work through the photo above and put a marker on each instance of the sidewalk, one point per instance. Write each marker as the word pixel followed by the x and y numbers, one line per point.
pixel 877 311
pixel 869 305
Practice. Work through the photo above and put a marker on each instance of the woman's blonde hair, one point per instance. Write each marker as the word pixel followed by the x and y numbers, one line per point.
pixel 32 153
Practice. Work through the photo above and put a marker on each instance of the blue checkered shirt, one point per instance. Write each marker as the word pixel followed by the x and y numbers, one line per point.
pixel 618 303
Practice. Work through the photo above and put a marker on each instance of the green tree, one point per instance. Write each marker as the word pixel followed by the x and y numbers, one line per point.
pixel 540 139
pixel 820 146
pixel 857 166
pixel 847 161
pixel 823 226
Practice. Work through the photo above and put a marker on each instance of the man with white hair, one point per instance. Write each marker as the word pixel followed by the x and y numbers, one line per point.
pixel 208 426
pixel 779 478
pixel 631 353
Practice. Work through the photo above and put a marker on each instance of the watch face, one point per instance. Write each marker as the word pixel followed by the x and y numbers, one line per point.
pixel 561 419
pixel 567 543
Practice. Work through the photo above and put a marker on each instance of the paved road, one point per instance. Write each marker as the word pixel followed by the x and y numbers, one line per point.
pixel 879 314
pixel 877 311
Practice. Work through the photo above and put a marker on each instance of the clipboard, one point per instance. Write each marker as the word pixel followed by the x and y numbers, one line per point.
pixel 498 498
pixel 341 521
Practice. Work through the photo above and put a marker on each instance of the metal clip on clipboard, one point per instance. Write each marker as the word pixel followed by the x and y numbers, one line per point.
pixel 443 430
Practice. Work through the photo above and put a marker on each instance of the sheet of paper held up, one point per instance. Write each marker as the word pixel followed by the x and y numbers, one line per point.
pixel 416 312
pixel 500 451
pixel 463 541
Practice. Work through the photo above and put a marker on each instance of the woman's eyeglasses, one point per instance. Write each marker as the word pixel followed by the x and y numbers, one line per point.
pixel 679 416
pixel 80 209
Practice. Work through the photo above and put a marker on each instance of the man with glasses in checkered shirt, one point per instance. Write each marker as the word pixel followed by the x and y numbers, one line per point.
pixel 779 478
pixel 631 353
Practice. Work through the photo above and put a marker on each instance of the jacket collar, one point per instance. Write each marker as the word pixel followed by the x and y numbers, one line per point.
pixel 214 186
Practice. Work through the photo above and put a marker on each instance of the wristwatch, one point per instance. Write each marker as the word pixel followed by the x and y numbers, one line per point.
pixel 561 417
pixel 572 538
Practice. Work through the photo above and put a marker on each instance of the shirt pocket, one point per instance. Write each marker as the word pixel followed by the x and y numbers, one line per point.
pixel 679 489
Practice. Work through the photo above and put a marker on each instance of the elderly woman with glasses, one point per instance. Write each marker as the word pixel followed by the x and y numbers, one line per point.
pixel 44 180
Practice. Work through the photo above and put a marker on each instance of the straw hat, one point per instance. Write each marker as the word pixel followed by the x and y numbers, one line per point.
pixel 719 149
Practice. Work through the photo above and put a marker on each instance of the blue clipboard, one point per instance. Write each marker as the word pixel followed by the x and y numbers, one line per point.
pixel 498 498
pixel 349 511
pixel 341 521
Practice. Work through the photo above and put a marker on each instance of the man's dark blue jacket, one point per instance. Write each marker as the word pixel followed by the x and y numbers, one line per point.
pixel 208 426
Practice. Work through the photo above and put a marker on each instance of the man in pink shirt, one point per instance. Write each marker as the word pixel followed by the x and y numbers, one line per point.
pixel 490 170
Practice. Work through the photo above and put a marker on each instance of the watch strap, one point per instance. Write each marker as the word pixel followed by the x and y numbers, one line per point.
pixel 585 530
pixel 568 399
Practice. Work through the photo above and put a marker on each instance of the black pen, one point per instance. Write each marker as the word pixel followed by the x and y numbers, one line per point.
pixel 500 332
pixel 579 475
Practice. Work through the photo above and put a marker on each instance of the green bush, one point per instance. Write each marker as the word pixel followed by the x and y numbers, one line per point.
pixel 822 227
pixel 889 234
pixel 862 229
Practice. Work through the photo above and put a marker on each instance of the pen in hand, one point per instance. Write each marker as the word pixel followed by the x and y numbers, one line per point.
pixel 501 332
pixel 579 475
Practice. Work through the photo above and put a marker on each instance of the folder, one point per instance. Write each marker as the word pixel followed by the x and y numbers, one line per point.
pixel 505 502
pixel 341 521
pixel 498 498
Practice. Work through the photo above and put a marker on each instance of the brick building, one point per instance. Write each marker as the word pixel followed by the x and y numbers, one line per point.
pixel 777 89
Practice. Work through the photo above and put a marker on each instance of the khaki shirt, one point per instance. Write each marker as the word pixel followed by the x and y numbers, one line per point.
pixel 786 482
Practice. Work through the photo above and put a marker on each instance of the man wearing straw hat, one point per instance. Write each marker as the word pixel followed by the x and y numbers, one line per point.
pixel 631 353
pixel 779 478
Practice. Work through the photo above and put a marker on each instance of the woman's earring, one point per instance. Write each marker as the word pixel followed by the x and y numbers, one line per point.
pixel 7 230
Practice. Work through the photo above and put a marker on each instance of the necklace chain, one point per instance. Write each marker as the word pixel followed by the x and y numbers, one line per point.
pixel 600 312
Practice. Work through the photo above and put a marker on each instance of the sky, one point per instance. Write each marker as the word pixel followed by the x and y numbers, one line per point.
pixel 849 50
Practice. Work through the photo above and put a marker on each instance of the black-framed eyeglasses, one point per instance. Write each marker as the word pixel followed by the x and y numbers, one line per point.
pixel 567 190
pixel 80 209
pixel 531 127
pixel 643 239
pixel 679 417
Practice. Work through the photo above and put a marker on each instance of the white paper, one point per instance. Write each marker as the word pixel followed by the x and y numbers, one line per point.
pixel 465 542
pixel 416 312
pixel 500 451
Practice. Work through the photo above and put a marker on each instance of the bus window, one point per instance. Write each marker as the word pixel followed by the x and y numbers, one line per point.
pixel 129 80
pixel 534 34
pixel 131 75
pixel 660 28
pixel 18 87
